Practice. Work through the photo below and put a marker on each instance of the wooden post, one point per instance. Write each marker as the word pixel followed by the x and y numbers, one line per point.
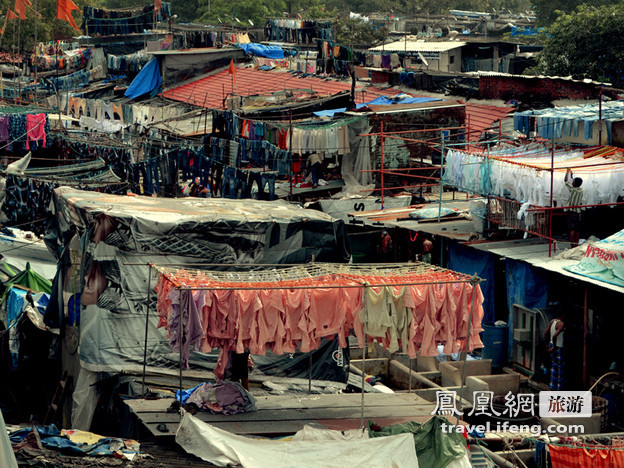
pixel 149 287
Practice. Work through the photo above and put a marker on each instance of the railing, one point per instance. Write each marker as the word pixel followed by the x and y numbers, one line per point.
pixel 533 220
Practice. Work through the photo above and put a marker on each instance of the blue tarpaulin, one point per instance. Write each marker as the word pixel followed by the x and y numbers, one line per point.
pixel 54 439
pixel 331 112
pixel 380 101
pixel 386 100
pixel 470 261
pixel 16 300
pixel 432 213
pixel 525 286
pixel 604 260
pixel 260 50
pixel 148 80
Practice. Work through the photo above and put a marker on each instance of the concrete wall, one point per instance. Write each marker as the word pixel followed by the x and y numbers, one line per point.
pixel 456 56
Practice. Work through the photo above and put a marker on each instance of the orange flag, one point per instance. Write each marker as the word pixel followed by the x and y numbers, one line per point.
pixel 232 71
pixel 20 8
pixel 63 11
pixel 11 15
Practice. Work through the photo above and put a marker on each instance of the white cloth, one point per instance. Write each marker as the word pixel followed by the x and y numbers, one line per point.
pixel 222 448
pixel 558 342
pixel 7 457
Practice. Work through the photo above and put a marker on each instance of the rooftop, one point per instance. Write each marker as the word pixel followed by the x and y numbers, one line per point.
pixel 211 91
pixel 411 45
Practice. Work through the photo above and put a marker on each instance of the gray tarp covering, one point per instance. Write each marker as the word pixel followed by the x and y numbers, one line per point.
pixel 116 231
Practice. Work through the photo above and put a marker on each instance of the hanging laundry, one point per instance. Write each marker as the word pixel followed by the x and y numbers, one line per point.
pixel 414 318
pixel 36 128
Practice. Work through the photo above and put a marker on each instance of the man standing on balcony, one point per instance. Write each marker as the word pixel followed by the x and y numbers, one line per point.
pixel 574 214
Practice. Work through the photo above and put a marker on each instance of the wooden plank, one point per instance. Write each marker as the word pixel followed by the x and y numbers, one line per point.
pixel 286 414
pixel 255 428
pixel 273 402
pixel 287 427
pixel 402 209
pixel 289 415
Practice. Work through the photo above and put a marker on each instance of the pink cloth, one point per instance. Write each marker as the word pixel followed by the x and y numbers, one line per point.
pixel 35 129
pixel 414 318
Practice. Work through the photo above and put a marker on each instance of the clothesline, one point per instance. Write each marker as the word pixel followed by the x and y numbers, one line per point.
pixel 411 306
pixel 321 272
pixel 34 129
pixel 524 174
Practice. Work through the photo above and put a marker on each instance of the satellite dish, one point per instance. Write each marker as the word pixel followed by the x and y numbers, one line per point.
pixel 250 22
pixel 422 58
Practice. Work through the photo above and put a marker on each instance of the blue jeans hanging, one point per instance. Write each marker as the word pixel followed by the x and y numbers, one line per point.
pixel 267 179
pixel 229 183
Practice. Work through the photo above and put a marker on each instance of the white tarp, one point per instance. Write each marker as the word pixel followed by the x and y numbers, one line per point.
pixel 7 457
pixel 604 260
pixel 316 433
pixel 223 448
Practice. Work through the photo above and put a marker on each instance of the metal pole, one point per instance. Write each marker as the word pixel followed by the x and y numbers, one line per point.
pixel 585 333
pixel 35 54
pixel 600 115
pixel 363 368
pixel 364 343
pixel 410 377
pixel 463 380
pixel 310 374
pixel 290 178
pixel 552 175
pixel 149 288
pixel 382 168
pixel 181 341
pixel 441 182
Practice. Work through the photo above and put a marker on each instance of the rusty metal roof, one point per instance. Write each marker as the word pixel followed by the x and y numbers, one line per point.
pixel 480 117
pixel 211 91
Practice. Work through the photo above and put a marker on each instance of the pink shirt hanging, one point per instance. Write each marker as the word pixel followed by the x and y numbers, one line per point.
pixel 35 129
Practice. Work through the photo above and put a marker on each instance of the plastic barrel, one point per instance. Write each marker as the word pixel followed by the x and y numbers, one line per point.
pixel 495 343
pixel 358 257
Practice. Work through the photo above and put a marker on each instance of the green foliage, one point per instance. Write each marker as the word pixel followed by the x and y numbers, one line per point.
pixel 255 10
pixel 588 43
pixel 48 27
pixel 356 33
pixel 548 10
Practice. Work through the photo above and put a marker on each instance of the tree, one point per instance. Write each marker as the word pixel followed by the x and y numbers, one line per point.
pixel 588 43
pixel 48 27
pixel 548 10
pixel 357 32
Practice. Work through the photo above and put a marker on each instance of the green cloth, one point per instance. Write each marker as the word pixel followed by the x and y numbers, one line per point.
pixel 29 279
pixel 7 271
pixel 434 448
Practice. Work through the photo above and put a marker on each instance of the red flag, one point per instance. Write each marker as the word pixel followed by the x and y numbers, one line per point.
pixel 11 15
pixel 20 9
pixel 232 71
pixel 63 11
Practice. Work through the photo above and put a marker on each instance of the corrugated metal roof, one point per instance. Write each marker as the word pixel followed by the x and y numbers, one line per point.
pixel 541 77
pixel 418 46
pixel 210 91
pixel 480 117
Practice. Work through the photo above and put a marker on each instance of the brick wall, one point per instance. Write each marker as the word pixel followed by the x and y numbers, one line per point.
pixel 531 89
